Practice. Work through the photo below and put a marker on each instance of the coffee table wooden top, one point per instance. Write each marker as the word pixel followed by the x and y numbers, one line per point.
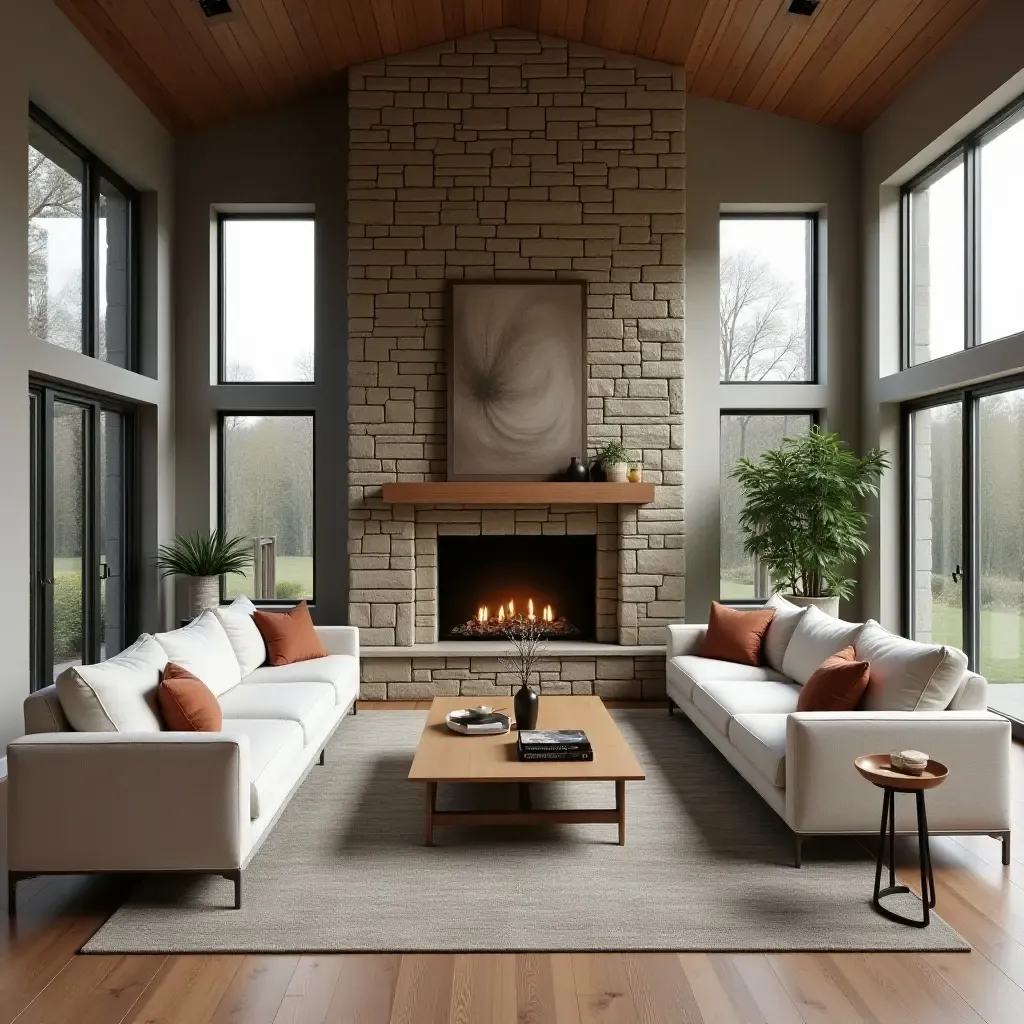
pixel 446 756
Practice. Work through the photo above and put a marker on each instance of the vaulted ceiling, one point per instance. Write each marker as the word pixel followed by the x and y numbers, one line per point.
pixel 841 66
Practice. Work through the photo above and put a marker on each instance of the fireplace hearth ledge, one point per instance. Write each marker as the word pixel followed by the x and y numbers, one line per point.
pixel 497 648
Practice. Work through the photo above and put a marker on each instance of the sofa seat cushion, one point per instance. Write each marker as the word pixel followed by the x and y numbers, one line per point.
pixel 687 670
pixel 308 704
pixel 761 739
pixel 723 699
pixel 275 760
pixel 340 670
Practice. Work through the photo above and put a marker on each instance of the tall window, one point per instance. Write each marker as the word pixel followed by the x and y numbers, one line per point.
pixel 81 541
pixel 266 296
pixel 747 435
pixel 266 485
pixel 767 302
pixel 962 223
pixel 82 230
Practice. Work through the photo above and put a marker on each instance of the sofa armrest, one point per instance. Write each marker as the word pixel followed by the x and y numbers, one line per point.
pixel 127 802
pixel 826 793
pixel 339 639
pixel 683 639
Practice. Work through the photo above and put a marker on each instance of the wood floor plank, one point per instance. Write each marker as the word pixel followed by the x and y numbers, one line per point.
pixel 186 990
pixel 767 991
pixel 661 993
pixel 424 988
pixel 310 990
pixel 59 1001
pixel 256 991
pixel 602 989
pixel 810 979
pixel 484 990
pixel 709 993
pixel 366 989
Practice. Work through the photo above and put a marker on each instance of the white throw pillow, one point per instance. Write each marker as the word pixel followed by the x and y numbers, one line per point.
pixel 816 638
pixel 246 640
pixel 780 630
pixel 117 695
pixel 907 675
pixel 203 648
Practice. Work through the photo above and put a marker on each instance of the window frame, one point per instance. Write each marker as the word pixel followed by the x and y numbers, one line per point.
pixel 816 420
pixel 94 171
pixel 43 394
pixel 969 149
pixel 814 310
pixel 222 218
pixel 222 415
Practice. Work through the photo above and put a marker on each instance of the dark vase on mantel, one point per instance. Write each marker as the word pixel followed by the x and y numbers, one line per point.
pixel 526 705
pixel 577 472
pixel 597 473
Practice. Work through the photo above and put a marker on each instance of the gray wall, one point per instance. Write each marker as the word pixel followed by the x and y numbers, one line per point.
pixel 292 158
pixel 743 159
pixel 980 73
pixel 44 59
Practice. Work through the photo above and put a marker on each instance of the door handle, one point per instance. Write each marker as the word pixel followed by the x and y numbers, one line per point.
pixel 958 574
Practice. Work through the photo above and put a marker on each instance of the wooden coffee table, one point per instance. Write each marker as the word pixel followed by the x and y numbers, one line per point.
pixel 445 756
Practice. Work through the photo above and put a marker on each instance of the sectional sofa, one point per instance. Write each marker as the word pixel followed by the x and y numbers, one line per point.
pixel 921 696
pixel 97 785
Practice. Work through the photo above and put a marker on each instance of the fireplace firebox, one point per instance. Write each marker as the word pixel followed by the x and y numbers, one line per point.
pixel 485 583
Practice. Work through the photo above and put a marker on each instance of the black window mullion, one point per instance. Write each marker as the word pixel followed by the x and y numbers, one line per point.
pixel 92 617
pixel 972 245
pixel 970 525
pixel 45 581
pixel 90 242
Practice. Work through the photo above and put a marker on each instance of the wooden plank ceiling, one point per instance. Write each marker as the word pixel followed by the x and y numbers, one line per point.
pixel 842 66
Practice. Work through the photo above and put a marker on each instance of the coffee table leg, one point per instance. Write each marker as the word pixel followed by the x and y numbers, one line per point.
pixel 620 806
pixel 431 803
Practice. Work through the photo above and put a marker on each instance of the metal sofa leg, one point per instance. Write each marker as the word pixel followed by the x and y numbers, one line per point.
pixel 321 761
pixel 798 849
pixel 1004 838
pixel 236 877
pixel 671 705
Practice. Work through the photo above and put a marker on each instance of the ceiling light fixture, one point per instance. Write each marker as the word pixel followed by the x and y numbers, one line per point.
pixel 805 7
pixel 213 8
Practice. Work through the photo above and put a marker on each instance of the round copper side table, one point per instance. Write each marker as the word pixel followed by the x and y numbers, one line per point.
pixel 877 769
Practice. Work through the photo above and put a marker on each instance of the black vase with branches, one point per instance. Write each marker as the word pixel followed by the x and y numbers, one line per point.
pixel 527 636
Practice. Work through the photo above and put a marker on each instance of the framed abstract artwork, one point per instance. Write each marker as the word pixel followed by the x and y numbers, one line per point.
pixel 517 395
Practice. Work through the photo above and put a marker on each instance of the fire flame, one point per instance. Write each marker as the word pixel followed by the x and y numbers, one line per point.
pixel 483 612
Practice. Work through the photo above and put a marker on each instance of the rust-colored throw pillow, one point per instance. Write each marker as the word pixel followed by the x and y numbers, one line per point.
pixel 837 686
pixel 187 704
pixel 289 636
pixel 735 635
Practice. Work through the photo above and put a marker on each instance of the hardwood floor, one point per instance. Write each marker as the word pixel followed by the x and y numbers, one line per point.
pixel 43 981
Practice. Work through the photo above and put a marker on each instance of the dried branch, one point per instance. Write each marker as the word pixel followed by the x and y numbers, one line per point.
pixel 527 636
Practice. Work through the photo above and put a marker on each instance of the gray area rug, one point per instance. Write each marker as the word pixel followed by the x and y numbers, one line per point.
pixel 706 867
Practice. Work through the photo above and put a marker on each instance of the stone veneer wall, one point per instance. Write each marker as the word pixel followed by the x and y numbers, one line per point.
pixel 513 155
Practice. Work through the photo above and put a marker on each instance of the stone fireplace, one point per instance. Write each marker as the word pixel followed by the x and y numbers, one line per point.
pixel 514 155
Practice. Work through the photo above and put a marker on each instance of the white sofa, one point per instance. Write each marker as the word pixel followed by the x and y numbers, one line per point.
pixel 801 763
pixel 146 800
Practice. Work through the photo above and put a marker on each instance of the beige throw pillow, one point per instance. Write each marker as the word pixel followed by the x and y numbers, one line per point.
pixel 907 675
pixel 816 638
pixel 780 630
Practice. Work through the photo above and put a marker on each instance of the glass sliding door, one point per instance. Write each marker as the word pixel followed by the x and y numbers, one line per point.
pixel 80 540
pixel 936 522
pixel 1001 536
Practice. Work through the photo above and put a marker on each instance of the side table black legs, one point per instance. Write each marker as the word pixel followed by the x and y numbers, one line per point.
pixel 887 830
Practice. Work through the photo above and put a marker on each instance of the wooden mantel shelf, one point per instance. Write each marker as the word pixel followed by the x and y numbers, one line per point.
pixel 516 492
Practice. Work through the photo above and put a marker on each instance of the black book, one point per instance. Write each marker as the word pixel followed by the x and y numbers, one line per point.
pixel 576 755
pixel 547 739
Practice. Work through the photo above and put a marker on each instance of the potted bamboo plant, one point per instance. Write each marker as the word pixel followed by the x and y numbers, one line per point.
pixel 802 514
pixel 204 558
pixel 614 459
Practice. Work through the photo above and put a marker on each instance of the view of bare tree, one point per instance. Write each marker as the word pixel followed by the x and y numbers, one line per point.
pixel 52 193
pixel 763 322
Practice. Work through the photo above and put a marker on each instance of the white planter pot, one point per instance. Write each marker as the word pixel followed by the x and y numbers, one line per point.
pixel 203 593
pixel 828 605
pixel 618 472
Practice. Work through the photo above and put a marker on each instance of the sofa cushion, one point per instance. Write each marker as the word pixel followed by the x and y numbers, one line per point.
pixel 780 630
pixel 275 760
pixel 687 670
pixel 817 636
pixel 309 704
pixel 907 675
pixel 245 638
pixel 723 699
pixel 761 739
pixel 837 686
pixel 203 648
pixel 289 636
pixel 116 695
pixel 735 635
pixel 186 703
pixel 340 670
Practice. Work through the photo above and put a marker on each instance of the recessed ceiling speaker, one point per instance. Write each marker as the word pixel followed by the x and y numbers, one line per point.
pixel 805 7
pixel 213 8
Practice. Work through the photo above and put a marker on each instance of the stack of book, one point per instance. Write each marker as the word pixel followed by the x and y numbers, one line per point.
pixel 554 745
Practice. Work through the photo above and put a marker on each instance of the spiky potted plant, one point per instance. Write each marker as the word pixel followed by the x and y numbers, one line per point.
pixel 204 557
pixel 803 515
pixel 614 458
